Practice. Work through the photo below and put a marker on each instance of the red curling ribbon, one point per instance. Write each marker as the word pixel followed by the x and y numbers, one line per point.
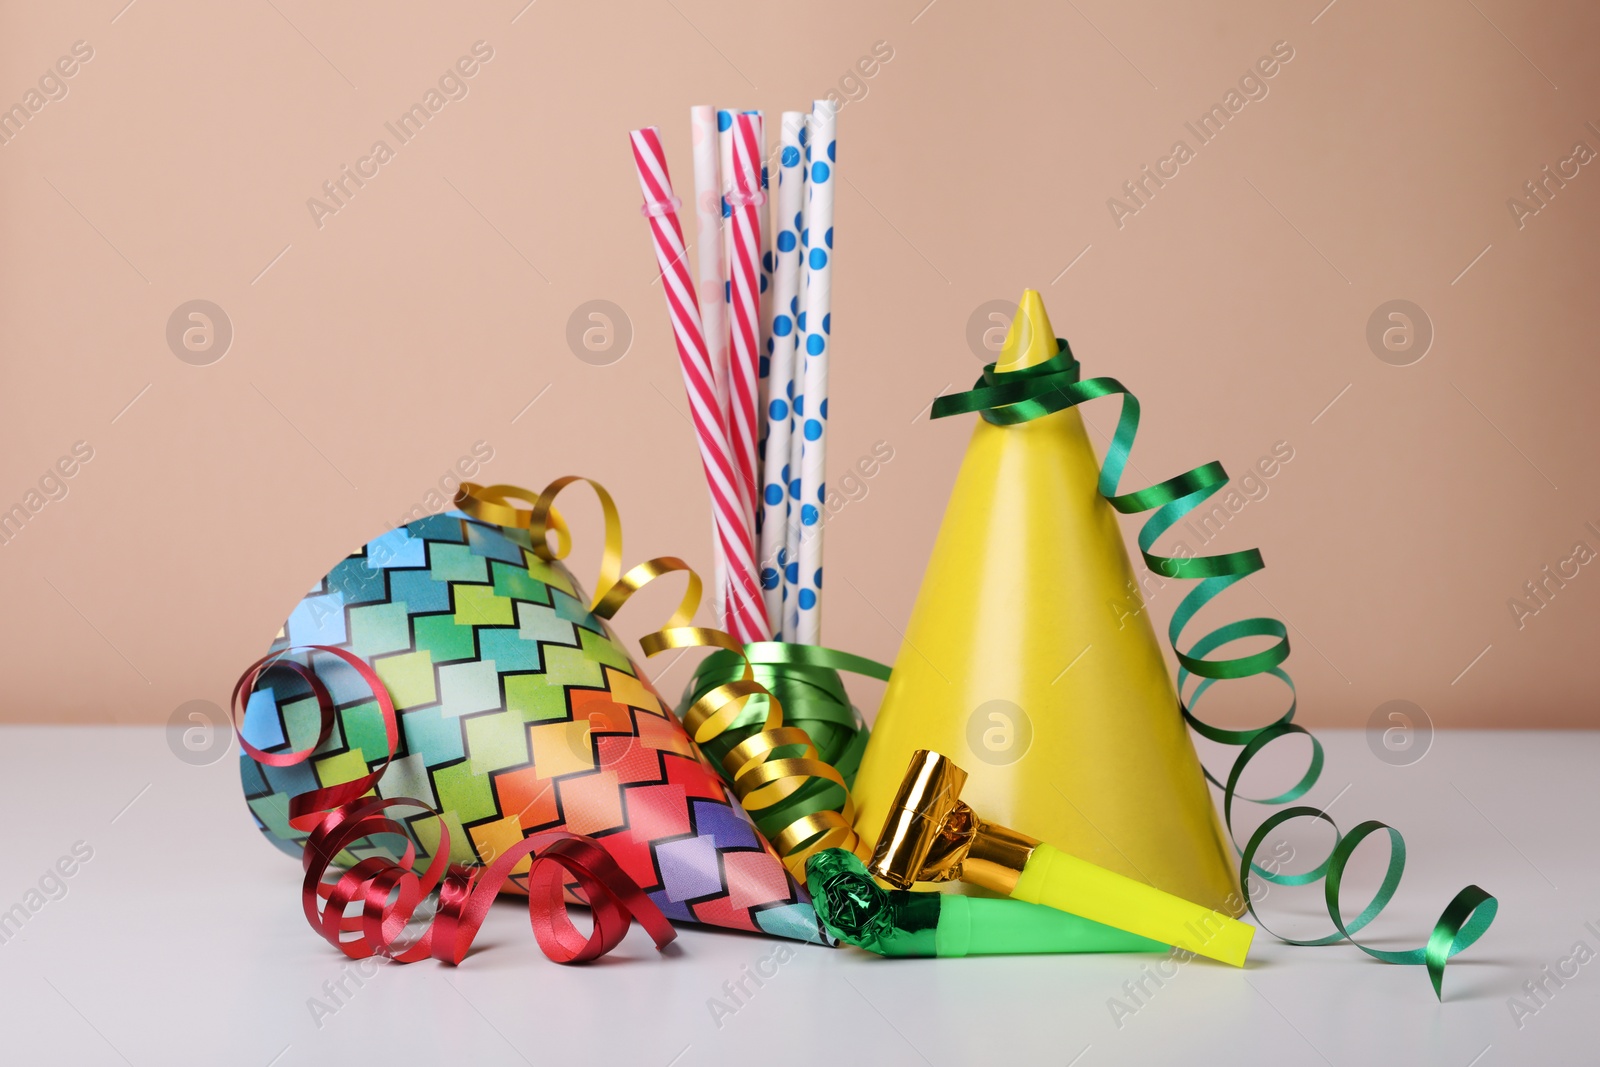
pixel 389 891
pixel 306 809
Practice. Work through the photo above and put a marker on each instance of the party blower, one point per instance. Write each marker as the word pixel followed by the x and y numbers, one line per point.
pixel 899 922
pixel 932 836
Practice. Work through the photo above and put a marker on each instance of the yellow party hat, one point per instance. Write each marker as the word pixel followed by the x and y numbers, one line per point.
pixel 1030 661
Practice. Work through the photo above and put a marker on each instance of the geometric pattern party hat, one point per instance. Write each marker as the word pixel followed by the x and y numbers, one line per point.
pixel 519 712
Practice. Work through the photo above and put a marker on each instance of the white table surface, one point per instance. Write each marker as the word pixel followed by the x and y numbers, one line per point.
pixel 181 941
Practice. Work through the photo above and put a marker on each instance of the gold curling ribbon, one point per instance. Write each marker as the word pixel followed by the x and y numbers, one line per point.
pixel 767 767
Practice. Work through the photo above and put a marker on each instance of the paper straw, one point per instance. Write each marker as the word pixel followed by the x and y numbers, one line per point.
pixel 812 415
pixel 661 208
pixel 712 270
pixel 766 224
pixel 725 163
pixel 725 138
pixel 764 365
pixel 744 273
pixel 766 280
pixel 791 550
pixel 780 380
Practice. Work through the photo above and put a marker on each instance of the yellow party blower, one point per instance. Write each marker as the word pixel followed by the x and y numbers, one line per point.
pixel 1030 658
pixel 932 836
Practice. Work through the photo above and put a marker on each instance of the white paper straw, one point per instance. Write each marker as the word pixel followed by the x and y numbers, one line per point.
pixel 780 381
pixel 811 414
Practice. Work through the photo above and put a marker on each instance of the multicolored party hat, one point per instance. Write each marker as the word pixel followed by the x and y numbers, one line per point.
pixel 1030 660
pixel 520 712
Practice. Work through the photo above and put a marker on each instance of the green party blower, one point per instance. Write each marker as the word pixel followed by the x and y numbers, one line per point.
pixel 932 836
pixel 899 922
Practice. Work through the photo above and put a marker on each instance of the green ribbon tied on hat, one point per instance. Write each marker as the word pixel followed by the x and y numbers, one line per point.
pixel 1023 394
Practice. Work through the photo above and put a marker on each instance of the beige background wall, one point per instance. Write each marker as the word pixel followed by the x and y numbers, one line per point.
pixel 371 352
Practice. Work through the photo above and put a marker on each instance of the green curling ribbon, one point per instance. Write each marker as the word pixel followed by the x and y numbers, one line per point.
pixel 805 679
pixel 1017 396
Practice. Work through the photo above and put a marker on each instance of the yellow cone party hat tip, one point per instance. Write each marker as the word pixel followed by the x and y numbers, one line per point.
pixel 1030 340
pixel 1031 662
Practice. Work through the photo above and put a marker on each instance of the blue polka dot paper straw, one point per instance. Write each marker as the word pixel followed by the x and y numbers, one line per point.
pixel 811 422
pixel 780 381
pixel 797 405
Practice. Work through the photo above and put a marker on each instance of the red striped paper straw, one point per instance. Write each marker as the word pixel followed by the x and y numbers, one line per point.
pixel 744 273
pixel 744 611
pixel 712 272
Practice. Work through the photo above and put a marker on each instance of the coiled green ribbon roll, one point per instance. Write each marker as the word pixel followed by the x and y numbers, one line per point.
pixel 1024 394
pixel 805 679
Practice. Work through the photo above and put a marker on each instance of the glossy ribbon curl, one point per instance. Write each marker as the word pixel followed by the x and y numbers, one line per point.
pixel 765 769
pixel 1017 396
pixel 805 680
pixel 390 891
